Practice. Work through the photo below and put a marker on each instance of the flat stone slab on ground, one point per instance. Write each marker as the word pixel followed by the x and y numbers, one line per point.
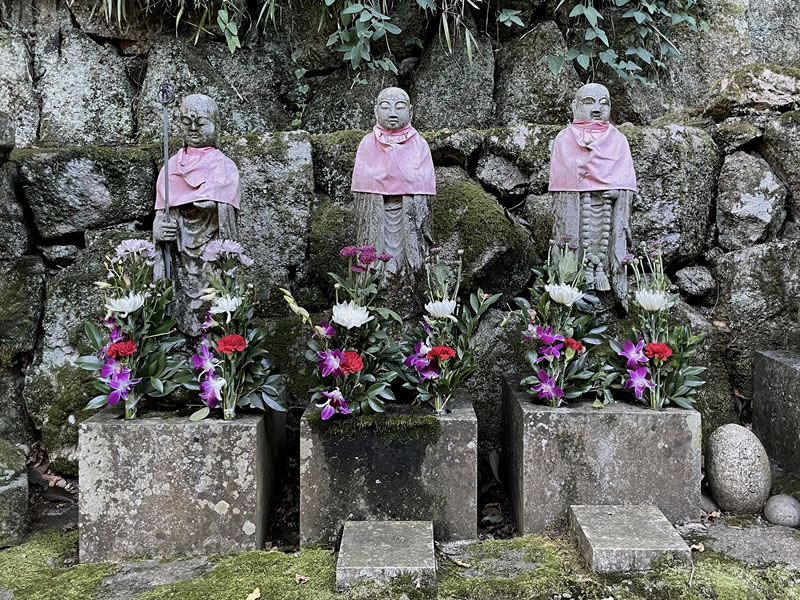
pixel 755 542
pixel 381 550
pixel 625 539
pixel 577 454
pixel 776 404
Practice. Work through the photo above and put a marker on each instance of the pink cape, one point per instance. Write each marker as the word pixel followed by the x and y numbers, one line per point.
pixel 394 163
pixel 590 156
pixel 197 174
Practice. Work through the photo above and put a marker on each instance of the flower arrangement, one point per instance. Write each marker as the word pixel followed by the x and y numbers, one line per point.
pixel 353 349
pixel 560 327
pixel 135 336
pixel 231 364
pixel 444 353
pixel 653 359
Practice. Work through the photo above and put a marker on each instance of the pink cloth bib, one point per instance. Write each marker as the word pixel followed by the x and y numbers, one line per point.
pixel 394 163
pixel 197 174
pixel 590 156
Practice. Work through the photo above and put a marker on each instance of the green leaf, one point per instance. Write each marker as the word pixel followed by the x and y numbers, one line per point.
pixel 274 402
pixel 89 363
pixel 157 384
pixel 95 338
pixel 583 60
pixel 353 9
pixel 200 414
pixel 578 10
pixel 376 405
pixel 554 63
pixel 97 402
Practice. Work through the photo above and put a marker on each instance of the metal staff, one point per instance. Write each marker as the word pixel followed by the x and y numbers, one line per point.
pixel 166 96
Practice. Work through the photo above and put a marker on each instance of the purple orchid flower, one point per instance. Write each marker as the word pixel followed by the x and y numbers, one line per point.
pixel 419 359
pixel 335 403
pixel 546 335
pixel 210 390
pixel 634 354
pixel 546 387
pixel 426 326
pixel 330 361
pixel 324 330
pixel 549 352
pixel 121 385
pixel 639 380
pixel 205 361
pixel 429 371
pixel 112 368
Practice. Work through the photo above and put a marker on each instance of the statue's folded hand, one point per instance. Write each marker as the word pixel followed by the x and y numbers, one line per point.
pixel 165 231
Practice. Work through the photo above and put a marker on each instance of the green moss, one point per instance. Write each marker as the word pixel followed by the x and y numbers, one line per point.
pixel 342 141
pixel 397 423
pixel 286 344
pixel 333 226
pixel 31 570
pixel 11 459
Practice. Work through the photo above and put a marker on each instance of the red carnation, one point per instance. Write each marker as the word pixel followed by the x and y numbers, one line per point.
pixel 441 352
pixel 575 345
pixel 229 343
pixel 659 350
pixel 352 362
pixel 120 349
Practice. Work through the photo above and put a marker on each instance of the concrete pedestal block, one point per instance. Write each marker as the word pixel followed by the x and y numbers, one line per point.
pixel 577 454
pixel 776 405
pixel 403 465
pixel 169 486
pixel 625 539
pixel 381 550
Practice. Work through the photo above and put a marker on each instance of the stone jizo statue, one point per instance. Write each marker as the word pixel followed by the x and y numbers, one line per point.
pixel 203 200
pixel 593 182
pixel 393 181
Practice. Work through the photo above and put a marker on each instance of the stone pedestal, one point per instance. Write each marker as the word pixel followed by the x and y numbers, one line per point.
pixel 776 405
pixel 167 486
pixel 576 454
pixel 403 465
pixel 625 539
pixel 381 550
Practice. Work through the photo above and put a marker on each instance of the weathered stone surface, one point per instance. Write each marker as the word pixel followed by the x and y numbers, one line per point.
pixel 754 88
pixel 782 509
pixel 737 470
pixel 557 457
pixel 755 543
pixel 774 32
pixel 245 85
pixel 16 89
pixel 526 89
pixel 497 250
pixel 776 404
pixel 22 292
pixel 344 474
pixel 447 90
pixel 334 156
pixel 55 390
pixel 180 487
pixel 14 235
pixel 453 147
pixel 751 202
pixel 695 282
pixel 338 104
pixel 7 135
pixel 677 170
pixel 13 494
pixel 75 189
pixel 15 425
pixel 501 175
pixel 87 97
pixel 781 147
pixel 139 576
pixel 733 133
pixel 759 287
pixel 60 254
pixel 277 181
pixel 538 216
pixel 625 539
pixel 138 27
pixel 381 550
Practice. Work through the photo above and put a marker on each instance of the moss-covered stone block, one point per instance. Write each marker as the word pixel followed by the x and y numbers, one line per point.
pixel 13 494
pixel 754 87
pixel 22 283
pixel 334 156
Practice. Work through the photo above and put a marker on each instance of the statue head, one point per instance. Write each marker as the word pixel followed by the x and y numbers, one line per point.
pixel 592 102
pixel 199 120
pixel 393 108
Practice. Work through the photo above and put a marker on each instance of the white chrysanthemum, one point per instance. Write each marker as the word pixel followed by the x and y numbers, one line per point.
pixel 441 309
pixel 652 301
pixel 125 305
pixel 350 314
pixel 142 248
pixel 563 293
pixel 226 304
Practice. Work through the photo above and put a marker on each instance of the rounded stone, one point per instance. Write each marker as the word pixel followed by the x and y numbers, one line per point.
pixel 738 470
pixel 783 510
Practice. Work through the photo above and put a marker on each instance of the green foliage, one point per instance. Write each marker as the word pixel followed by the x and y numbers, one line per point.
pixel 644 30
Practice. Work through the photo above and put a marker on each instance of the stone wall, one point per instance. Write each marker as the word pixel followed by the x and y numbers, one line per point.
pixel 720 190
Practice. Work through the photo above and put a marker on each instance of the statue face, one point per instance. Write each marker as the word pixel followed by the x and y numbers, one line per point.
pixel 393 109
pixel 199 121
pixel 592 102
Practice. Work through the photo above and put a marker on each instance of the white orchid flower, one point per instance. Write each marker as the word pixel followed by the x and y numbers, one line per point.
pixel 563 293
pixel 652 300
pixel 350 314
pixel 441 309
pixel 226 304
pixel 125 305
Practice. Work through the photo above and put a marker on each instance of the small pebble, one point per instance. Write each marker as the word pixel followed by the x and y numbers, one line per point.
pixel 783 510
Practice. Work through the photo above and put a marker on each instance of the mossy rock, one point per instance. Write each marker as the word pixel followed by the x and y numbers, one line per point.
pixel 754 87
pixel 333 226
pixel 21 303
pixel 334 156
pixel 399 422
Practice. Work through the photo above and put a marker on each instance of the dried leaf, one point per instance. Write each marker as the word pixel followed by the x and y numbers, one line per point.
pixel 255 594
pixel 699 547
pixel 494 463
pixel 300 579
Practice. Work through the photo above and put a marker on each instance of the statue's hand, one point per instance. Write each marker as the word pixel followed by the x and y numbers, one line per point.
pixel 205 204
pixel 165 230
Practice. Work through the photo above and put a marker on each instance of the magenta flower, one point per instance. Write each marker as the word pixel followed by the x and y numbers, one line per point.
pixel 122 385
pixel 368 255
pixel 549 352
pixel 357 269
pixel 112 368
pixel 546 387
pixel 211 390
pixel 386 257
pixel 419 359
pixel 205 361
pixel 335 403
pixel 546 335
pixel 634 354
pixel 348 251
pixel 639 380
pixel 430 371
pixel 324 330
pixel 330 362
